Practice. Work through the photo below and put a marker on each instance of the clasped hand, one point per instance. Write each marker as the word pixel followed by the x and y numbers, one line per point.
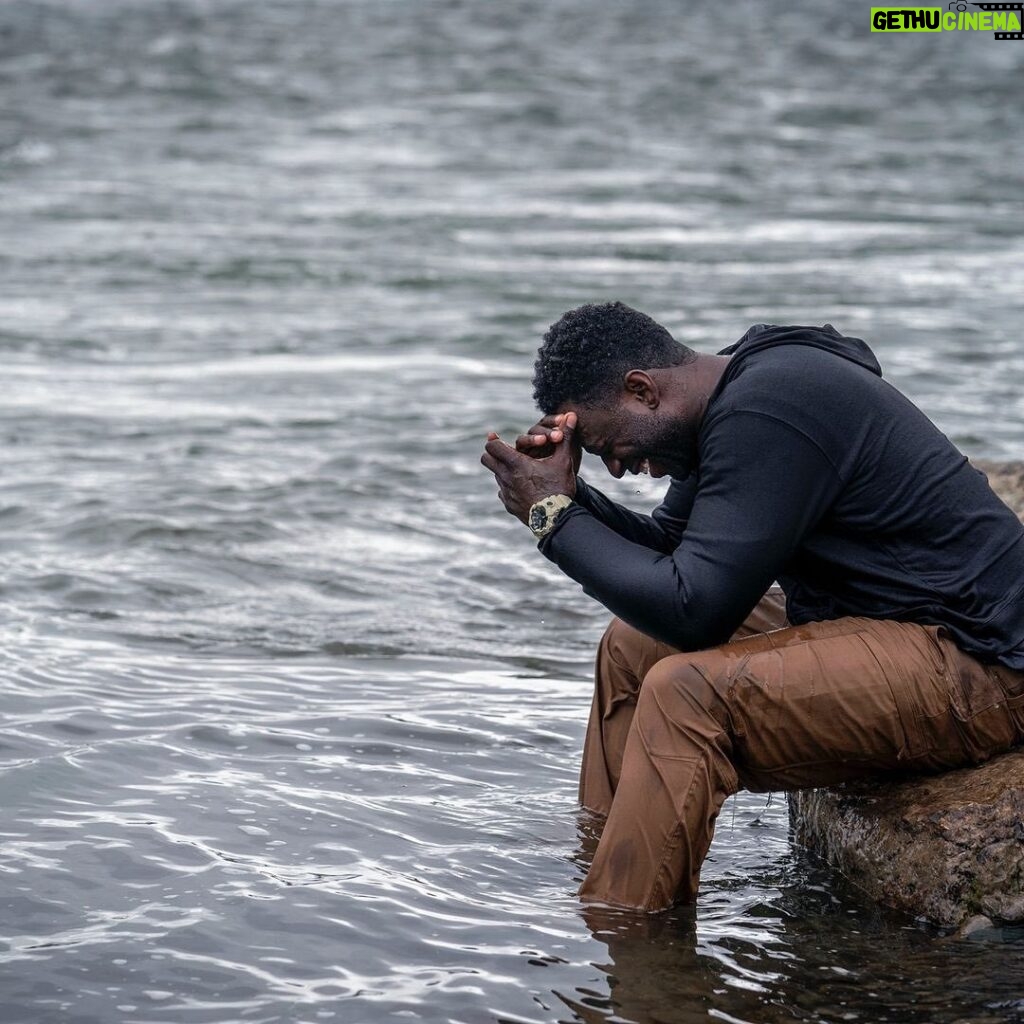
pixel 544 461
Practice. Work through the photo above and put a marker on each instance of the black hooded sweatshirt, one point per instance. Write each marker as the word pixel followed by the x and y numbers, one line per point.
pixel 814 472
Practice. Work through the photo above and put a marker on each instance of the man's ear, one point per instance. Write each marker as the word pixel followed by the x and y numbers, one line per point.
pixel 641 388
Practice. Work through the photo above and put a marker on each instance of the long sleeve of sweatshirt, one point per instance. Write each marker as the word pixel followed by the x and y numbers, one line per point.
pixel 661 531
pixel 764 484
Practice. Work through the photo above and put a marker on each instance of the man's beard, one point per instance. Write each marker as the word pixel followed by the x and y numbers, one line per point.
pixel 670 448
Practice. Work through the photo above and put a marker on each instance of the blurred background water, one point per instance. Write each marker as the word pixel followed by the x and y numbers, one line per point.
pixel 292 710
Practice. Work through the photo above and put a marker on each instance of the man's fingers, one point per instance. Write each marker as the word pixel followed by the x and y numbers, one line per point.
pixel 567 431
pixel 505 454
pixel 488 461
pixel 524 442
pixel 503 473
pixel 539 437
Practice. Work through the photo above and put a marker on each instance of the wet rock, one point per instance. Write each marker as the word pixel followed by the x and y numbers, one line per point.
pixel 1007 480
pixel 942 847
pixel 947 848
pixel 973 925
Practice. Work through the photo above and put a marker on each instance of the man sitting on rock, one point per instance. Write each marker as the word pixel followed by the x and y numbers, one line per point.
pixel 896 642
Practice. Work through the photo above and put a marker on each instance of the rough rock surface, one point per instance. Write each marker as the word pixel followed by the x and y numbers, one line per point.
pixel 946 848
pixel 1007 480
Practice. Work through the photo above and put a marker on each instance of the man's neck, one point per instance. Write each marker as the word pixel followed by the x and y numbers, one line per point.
pixel 699 379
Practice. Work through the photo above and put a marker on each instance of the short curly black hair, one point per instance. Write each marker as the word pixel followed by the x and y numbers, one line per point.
pixel 588 351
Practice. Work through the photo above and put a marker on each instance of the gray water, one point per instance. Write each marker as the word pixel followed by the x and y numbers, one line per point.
pixel 292 710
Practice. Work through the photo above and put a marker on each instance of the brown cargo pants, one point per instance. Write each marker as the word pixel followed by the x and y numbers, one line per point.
pixel 779 707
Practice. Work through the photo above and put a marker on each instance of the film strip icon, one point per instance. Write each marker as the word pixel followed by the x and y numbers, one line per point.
pixel 1018 7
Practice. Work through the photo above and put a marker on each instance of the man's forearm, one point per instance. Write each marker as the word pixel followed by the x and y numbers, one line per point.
pixel 641 586
pixel 660 532
pixel 748 519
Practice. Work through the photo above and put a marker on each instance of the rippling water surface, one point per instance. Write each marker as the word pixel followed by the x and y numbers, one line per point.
pixel 292 711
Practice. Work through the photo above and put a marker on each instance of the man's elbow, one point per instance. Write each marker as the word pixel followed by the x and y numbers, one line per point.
pixel 698 629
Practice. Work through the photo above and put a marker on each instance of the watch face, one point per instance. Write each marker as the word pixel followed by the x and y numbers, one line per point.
pixel 538 517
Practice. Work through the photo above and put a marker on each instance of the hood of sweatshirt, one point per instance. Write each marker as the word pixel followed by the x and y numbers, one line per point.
pixel 762 336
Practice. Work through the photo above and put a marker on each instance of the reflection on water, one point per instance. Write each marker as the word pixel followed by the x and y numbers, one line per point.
pixel 225 838
pixel 293 712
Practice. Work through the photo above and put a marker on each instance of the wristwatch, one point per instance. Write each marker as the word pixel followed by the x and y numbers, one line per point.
pixel 544 513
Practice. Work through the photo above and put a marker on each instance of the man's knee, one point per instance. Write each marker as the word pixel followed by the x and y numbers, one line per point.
pixel 623 644
pixel 624 657
pixel 687 689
